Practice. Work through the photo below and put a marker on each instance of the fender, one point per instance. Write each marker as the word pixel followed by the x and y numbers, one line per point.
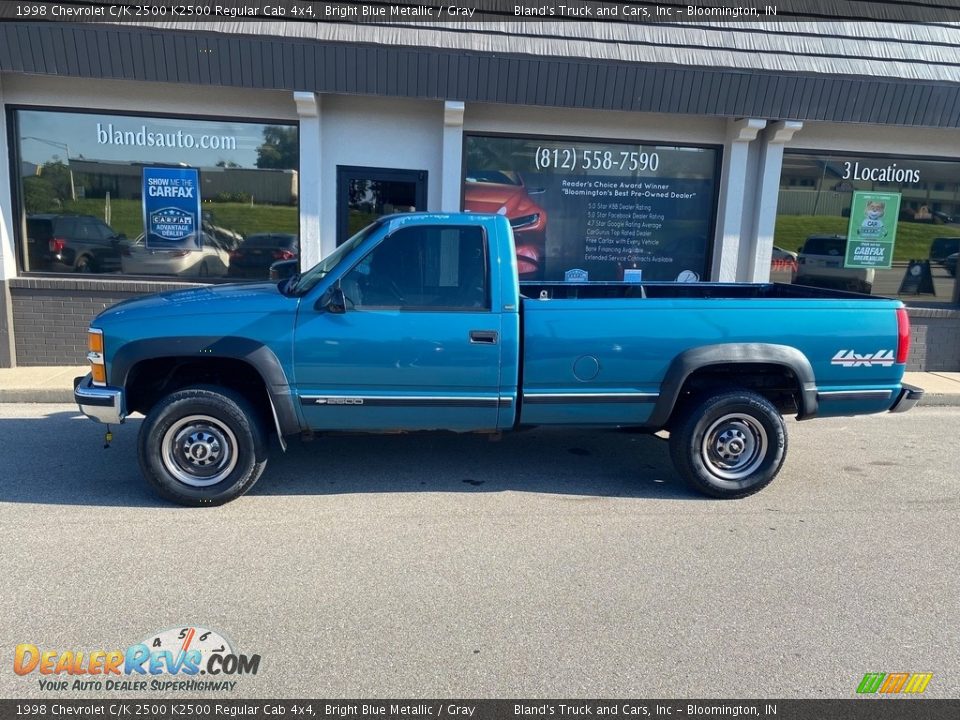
pixel 254 353
pixel 689 361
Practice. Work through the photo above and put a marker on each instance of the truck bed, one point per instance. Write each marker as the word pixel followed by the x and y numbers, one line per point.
pixel 602 353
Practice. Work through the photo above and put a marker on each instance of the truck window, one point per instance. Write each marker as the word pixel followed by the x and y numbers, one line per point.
pixel 422 268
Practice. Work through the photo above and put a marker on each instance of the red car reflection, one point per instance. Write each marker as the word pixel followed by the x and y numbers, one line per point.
pixel 503 192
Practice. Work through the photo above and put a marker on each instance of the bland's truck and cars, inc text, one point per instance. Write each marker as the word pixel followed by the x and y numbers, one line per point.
pixel 419 322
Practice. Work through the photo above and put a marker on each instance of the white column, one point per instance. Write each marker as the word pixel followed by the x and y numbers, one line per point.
pixel 760 247
pixel 734 180
pixel 452 162
pixel 312 249
pixel 8 257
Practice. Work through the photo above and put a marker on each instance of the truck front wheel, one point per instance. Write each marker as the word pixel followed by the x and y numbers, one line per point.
pixel 729 445
pixel 202 446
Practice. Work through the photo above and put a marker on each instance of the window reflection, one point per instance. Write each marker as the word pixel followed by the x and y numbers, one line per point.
pixel 81 196
pixel 813 219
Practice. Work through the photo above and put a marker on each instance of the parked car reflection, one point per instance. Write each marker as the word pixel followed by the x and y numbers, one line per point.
pixel 212 260
pixel 951 264
pixel 942 247
pixel 252 259
pixel 820 263
pixel 78 243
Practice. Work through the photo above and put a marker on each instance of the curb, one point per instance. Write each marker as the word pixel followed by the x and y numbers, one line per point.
pixel 36 395
pixel 940 400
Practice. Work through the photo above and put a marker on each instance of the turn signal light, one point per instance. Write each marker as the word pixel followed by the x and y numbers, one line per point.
pixel 99 373
pixel 95 342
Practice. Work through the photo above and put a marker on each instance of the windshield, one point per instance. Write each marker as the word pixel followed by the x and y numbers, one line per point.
pixel 306 281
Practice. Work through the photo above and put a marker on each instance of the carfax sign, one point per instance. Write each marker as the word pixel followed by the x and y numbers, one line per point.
pixel 873 230
pixel 171 208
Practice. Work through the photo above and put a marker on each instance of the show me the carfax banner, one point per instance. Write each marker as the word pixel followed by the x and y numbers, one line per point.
pixel 862 708
pixel 171 208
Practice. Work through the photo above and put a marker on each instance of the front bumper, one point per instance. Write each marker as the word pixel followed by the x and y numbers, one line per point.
pixel 909 396
pixel 103 404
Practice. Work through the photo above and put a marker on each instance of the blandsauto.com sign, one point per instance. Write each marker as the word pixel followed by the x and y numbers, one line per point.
pixel 107 134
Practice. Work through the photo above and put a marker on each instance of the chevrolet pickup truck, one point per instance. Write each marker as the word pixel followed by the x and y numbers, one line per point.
pixel 419 323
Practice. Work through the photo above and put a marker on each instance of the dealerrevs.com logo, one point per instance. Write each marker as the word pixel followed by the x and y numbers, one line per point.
pixel 186 659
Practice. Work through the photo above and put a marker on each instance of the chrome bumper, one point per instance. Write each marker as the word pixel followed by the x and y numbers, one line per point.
pixel 909 396
pixel 103 404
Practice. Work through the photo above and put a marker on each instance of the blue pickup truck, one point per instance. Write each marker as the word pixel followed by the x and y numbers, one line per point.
pixel 419 322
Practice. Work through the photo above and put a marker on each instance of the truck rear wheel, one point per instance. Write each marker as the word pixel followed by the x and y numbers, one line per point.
pixel 202 446
pixel 729 445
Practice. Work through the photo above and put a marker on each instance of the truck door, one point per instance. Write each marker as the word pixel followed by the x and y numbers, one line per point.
pixel 418 344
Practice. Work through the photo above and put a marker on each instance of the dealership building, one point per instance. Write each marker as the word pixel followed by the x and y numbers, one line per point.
pixel 708 149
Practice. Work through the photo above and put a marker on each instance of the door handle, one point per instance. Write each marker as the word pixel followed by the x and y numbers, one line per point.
pixel 483 337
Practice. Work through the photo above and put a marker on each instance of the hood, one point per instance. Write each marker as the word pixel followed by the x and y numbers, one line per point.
pixel 232 299
pixel 490 197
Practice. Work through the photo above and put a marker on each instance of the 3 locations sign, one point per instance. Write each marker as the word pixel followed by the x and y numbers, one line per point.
pixel 171 208
pixel 597 211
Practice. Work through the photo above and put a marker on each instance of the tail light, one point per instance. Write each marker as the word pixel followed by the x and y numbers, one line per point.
pixel 283 255
pixel 903 335
pixel 57 245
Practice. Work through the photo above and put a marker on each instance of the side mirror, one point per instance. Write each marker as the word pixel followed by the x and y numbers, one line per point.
pixel 333 301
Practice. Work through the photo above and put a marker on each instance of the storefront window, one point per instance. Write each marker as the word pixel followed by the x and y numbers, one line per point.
pixel 151 196
pixel 598 211
pixel 884 225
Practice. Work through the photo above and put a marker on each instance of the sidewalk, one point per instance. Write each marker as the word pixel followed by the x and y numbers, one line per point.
pixel 55 385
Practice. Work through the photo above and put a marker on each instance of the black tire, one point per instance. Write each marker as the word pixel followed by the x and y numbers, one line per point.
pixel 729 445
pixel 83 265
pixel 202 445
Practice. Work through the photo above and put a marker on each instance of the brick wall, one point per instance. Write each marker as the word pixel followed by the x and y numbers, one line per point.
pixel 934 339
pixel 51 316
pixel 50 319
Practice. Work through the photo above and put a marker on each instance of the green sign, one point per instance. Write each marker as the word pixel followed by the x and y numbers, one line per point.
pixel 873 229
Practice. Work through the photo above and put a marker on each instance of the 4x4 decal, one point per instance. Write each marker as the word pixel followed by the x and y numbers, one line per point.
pixel 848 358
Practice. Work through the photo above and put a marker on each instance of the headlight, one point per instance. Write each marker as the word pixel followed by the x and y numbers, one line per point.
pixel 95 356
pixel 524 220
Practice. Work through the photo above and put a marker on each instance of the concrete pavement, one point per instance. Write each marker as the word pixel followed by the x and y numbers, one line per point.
pixel 554 563
pixel 55 385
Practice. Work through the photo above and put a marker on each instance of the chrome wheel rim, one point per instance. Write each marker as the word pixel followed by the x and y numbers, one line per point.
pixel 734 446
pixel 199 450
